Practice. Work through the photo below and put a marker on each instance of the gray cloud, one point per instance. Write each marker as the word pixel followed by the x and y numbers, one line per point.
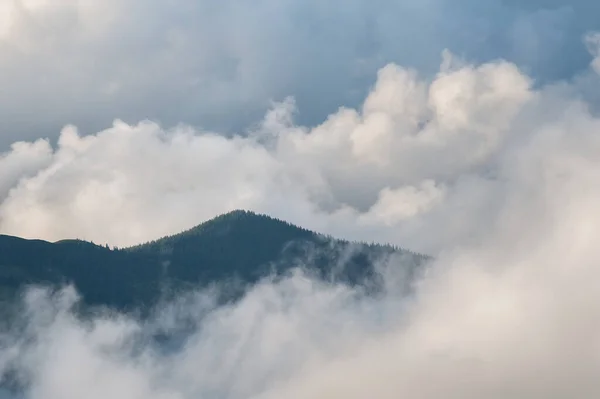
pixel 219 64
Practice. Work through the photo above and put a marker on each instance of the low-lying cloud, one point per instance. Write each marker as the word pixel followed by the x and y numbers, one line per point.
pixel 513 315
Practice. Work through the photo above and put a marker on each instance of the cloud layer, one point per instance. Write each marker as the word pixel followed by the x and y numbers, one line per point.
pixel 218 64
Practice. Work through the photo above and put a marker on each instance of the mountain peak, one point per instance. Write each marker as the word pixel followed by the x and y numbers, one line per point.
pixel 242 221
pixel 251 228
pixel 236 213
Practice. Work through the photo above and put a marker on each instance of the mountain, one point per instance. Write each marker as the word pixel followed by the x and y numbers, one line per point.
pixel 238 246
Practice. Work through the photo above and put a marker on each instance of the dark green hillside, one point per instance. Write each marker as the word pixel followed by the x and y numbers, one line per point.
pixel 239 245
pixel 103 276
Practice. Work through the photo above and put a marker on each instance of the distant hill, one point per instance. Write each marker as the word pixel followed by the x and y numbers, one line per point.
pixel 238 246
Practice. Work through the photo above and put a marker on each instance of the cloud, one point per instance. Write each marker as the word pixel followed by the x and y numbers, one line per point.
pixel 23 160
pixel 390 160
pixel 218 64
pixel 423 162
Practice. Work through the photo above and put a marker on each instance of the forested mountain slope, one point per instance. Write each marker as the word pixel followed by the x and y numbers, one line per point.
pixel 240 245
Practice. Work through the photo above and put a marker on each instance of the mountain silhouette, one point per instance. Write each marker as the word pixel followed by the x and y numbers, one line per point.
pixel 239 246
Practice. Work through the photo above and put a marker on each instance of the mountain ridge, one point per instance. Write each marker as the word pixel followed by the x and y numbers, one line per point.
pixel 239 245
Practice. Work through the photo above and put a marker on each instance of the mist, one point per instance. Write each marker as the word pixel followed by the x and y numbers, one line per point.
pixel 513 315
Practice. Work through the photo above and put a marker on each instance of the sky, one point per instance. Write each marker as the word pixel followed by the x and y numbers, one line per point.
pixel 219 64
pixel 468 130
